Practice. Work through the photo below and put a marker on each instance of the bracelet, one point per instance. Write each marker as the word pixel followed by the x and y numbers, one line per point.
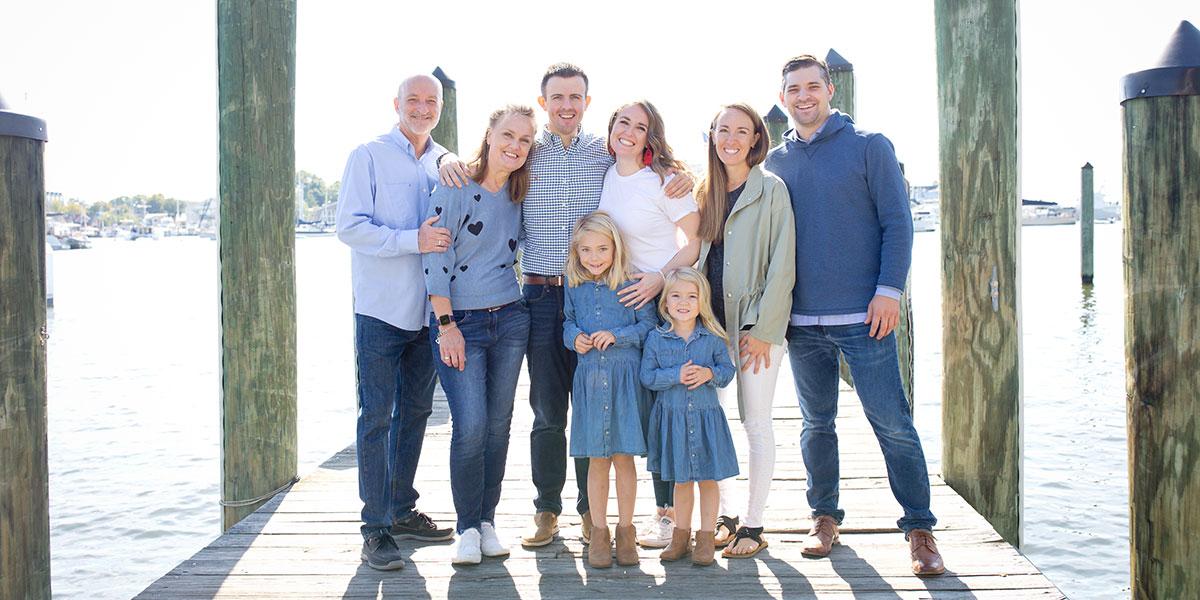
pixel 438 339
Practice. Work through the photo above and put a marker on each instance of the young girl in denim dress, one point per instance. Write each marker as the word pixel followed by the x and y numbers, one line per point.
pixel 608 404
pixel 684 362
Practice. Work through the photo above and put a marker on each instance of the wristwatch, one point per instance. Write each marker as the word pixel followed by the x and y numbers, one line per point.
pixel 445 320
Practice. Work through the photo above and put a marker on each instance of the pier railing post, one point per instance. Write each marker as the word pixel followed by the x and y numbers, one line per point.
pixel 446 132
pixel 777 124
pixel 256 59
pixel 24 477
pixel 1087 224
pixel 1161 112
pixel 841 74
pixel 977 58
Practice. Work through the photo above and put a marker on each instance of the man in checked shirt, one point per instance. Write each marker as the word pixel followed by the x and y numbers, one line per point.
pixel 567 168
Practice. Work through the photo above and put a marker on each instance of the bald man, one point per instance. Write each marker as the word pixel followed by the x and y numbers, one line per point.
pixel 384 195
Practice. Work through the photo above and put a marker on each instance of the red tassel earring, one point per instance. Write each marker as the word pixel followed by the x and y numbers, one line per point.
pixel 647 156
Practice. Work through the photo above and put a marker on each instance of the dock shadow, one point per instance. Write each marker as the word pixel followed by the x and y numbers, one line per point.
pixel 405 583
pixel 489 579
pixel 859 574
pixel 557 568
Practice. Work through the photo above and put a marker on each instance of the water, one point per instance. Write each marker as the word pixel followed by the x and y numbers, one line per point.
pixel 134 411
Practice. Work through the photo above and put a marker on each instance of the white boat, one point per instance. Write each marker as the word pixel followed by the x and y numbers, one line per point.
pixel 1047 213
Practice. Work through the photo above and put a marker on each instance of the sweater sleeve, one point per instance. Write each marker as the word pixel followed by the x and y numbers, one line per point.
pixel 885 183
pixel 775 305
pixel 444 202
pixel 654 376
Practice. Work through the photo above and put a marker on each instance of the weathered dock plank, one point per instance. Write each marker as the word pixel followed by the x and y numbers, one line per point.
pixel 305 543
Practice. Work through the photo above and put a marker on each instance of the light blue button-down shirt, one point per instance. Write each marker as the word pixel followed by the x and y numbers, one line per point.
pixel 384 197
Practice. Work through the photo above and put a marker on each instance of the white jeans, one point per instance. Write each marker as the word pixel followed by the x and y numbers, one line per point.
pixel 758 391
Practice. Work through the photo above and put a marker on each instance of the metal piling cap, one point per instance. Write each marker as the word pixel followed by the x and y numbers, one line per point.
pixel 775 115
pixel 14 124
pixel 836 62
pixel 1087 165
pixel 442 77
pixel 1177 72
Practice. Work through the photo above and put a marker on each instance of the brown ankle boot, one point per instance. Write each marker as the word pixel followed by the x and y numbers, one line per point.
pixel 705 545
pixel 600 549
pixel 680 546
pixel 627 554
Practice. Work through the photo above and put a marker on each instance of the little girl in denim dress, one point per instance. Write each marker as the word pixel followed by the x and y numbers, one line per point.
pixel 684 362
pixel 608 404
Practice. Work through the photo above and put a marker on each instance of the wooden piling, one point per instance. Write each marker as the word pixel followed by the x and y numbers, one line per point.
pixel 841 74
pixel 24 476
pixel 777 124
pixel 446 132
pixel 1161 112
pixel 256 59
pixel 1087 224
pixel 977 58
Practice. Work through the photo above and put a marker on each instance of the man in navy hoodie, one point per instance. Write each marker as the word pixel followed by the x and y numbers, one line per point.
pixel 853 250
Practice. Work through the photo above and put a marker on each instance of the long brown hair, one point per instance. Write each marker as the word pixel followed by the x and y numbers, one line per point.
pixel 518 181
pixel 712 194
pixel 662 159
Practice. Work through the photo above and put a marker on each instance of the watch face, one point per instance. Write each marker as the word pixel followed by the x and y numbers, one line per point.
pixel 444 320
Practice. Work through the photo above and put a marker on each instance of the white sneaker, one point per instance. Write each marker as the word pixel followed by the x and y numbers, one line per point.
pixel 466 548
pixel 656 533
pixel 489 542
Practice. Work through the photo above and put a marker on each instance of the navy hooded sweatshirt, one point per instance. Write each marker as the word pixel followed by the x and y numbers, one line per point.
pixel 853 224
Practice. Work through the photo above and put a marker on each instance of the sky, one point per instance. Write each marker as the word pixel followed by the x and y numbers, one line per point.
pixel 128 88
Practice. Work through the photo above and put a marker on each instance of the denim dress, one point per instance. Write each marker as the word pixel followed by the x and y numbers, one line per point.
pixel 609 406
pixel 689 437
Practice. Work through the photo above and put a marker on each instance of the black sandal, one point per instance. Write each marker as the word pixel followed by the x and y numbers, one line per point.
pixel 725 530
pixel 750 533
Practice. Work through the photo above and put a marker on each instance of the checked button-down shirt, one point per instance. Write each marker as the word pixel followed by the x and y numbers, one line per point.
pixel 564 185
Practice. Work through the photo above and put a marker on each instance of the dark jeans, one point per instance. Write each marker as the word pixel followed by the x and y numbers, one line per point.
pixel 481 404
pixel 395 399
pixel 813 351
pixel 551 370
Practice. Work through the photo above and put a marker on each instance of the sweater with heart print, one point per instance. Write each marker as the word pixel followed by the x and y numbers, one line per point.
pixel 477 270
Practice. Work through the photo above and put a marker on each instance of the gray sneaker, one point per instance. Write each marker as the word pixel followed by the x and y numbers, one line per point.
pixel 381 553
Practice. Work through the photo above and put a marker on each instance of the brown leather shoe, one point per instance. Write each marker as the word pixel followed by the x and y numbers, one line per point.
pixel 705 548
pixel 585 527
pixel 680 546
pixel 627 554
pixel 821 538
pixel 545 528
pixel 600 549
pixel 926 561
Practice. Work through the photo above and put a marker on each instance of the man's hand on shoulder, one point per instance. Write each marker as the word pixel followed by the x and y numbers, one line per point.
pixel 883 314
pixel 452 171
pixel 680 185
pixel 432 239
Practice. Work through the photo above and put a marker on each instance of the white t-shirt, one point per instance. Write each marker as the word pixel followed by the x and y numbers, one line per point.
pixel 645 216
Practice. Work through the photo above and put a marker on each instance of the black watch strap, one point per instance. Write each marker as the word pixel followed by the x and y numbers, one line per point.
pixel 445 320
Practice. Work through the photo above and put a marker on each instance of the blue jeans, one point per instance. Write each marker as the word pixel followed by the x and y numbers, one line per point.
pixel 481 406
pixel 813 352
pixel 395 399
pixel 551 373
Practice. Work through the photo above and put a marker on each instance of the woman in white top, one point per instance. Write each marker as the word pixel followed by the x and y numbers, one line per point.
pixel 660 236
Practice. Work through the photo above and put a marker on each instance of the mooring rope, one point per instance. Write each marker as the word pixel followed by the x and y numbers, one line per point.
pixel 266 496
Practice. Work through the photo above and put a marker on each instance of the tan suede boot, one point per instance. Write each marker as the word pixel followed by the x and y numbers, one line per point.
pixel 600 549
pixel 703 554
pixel 680 546
pixel 627 554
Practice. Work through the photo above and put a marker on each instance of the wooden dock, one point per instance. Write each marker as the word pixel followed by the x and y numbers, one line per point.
pixel 305 543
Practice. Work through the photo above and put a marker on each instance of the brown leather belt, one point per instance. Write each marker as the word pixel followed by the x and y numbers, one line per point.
pixel 555 281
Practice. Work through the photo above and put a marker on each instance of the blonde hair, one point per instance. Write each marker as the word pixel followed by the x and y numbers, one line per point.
pixel 662 158
pixel 692 276
pixel 518 181
pixel 598 222
pixel 711 194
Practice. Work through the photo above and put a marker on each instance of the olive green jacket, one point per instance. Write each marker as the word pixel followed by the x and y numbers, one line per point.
pixel 760 261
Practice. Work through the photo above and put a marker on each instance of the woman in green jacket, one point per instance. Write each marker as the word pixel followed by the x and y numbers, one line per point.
pixel 749 257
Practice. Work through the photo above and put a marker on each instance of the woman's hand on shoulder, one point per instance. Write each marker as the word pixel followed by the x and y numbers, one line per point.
pixel 680 185
pixel 647 287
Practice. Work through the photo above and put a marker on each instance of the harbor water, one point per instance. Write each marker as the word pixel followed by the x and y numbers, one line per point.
pixel 134 411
